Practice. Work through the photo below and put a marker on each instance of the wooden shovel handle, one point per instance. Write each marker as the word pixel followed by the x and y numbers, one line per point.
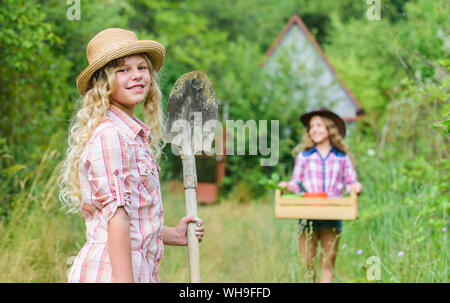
pixel 190 191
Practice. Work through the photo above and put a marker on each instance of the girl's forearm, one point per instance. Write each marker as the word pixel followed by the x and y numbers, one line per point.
pixel 119 246
pixel 178 235
pixel 170 236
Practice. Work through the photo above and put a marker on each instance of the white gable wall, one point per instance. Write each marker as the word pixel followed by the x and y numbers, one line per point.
pixel 320 86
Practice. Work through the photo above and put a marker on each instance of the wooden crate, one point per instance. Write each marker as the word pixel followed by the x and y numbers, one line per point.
pixel 316 208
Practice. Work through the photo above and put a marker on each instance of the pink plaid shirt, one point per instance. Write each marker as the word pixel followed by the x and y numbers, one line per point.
pixel 329 174
pixel 117 168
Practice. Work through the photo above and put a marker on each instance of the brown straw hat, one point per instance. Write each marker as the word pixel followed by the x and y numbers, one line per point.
pixel 325 112
pixel 114 43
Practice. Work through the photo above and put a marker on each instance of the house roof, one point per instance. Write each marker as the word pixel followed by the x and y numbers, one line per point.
pixel 296 20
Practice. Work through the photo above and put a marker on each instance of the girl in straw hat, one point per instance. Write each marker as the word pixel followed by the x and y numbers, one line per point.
pixel 322 164
pixel 111 173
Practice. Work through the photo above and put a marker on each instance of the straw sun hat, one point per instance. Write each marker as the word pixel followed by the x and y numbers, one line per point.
pixel 325 112
pixel 114 43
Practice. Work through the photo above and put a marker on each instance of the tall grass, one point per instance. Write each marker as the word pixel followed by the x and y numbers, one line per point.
pixel 37 235
pixel 402 221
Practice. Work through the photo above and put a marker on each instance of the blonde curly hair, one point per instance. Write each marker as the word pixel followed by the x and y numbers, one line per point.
pixel 91 110
pixel 336 139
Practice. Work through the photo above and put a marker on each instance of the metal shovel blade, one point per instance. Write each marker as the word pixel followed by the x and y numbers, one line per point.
pixel 191 97
pixel 192 102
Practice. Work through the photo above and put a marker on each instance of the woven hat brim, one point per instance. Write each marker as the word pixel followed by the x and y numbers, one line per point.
pixel 155 51
pixel 336 119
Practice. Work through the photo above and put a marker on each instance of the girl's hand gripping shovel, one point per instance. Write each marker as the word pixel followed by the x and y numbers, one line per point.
pixel 191 118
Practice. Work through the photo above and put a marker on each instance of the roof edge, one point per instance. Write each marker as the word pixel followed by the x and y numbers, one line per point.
pixel 295 19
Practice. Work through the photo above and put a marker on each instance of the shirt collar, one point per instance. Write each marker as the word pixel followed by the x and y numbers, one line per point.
pixel 132 126
pixel 314 149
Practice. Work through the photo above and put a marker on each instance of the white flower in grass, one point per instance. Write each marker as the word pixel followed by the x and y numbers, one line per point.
pixel 359 252
pixel 371 152
pixel 400 254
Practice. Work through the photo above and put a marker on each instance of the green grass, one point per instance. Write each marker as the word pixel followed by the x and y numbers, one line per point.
pixel 244 242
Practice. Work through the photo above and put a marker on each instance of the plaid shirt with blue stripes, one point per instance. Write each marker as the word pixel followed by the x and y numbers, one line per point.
pixel 323 174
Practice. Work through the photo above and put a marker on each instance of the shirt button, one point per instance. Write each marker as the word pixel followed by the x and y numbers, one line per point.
pixel 116 172
pixel 146 171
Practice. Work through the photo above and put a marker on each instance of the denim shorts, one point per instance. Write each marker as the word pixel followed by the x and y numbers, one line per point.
pixel 305 225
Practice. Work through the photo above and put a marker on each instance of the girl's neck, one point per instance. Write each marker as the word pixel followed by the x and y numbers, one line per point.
pixel 324 147
pixel 128 110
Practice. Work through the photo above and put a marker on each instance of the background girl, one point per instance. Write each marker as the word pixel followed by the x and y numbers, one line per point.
pixel 111 173
pixel 322 164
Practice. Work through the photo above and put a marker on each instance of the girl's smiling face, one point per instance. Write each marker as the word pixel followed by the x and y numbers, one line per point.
pixel 132 85
pixel 318 130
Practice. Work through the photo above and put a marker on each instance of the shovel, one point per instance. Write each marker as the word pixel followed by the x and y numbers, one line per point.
pixel 191 97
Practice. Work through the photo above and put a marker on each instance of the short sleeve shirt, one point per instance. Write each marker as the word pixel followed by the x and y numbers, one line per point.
pixel 117 169
pixel 323 174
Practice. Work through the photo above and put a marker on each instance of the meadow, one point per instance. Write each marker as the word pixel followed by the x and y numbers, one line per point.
pixel 398 67
pixel 399 222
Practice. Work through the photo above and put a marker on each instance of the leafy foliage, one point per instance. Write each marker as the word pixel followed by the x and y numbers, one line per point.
pixel 397 67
